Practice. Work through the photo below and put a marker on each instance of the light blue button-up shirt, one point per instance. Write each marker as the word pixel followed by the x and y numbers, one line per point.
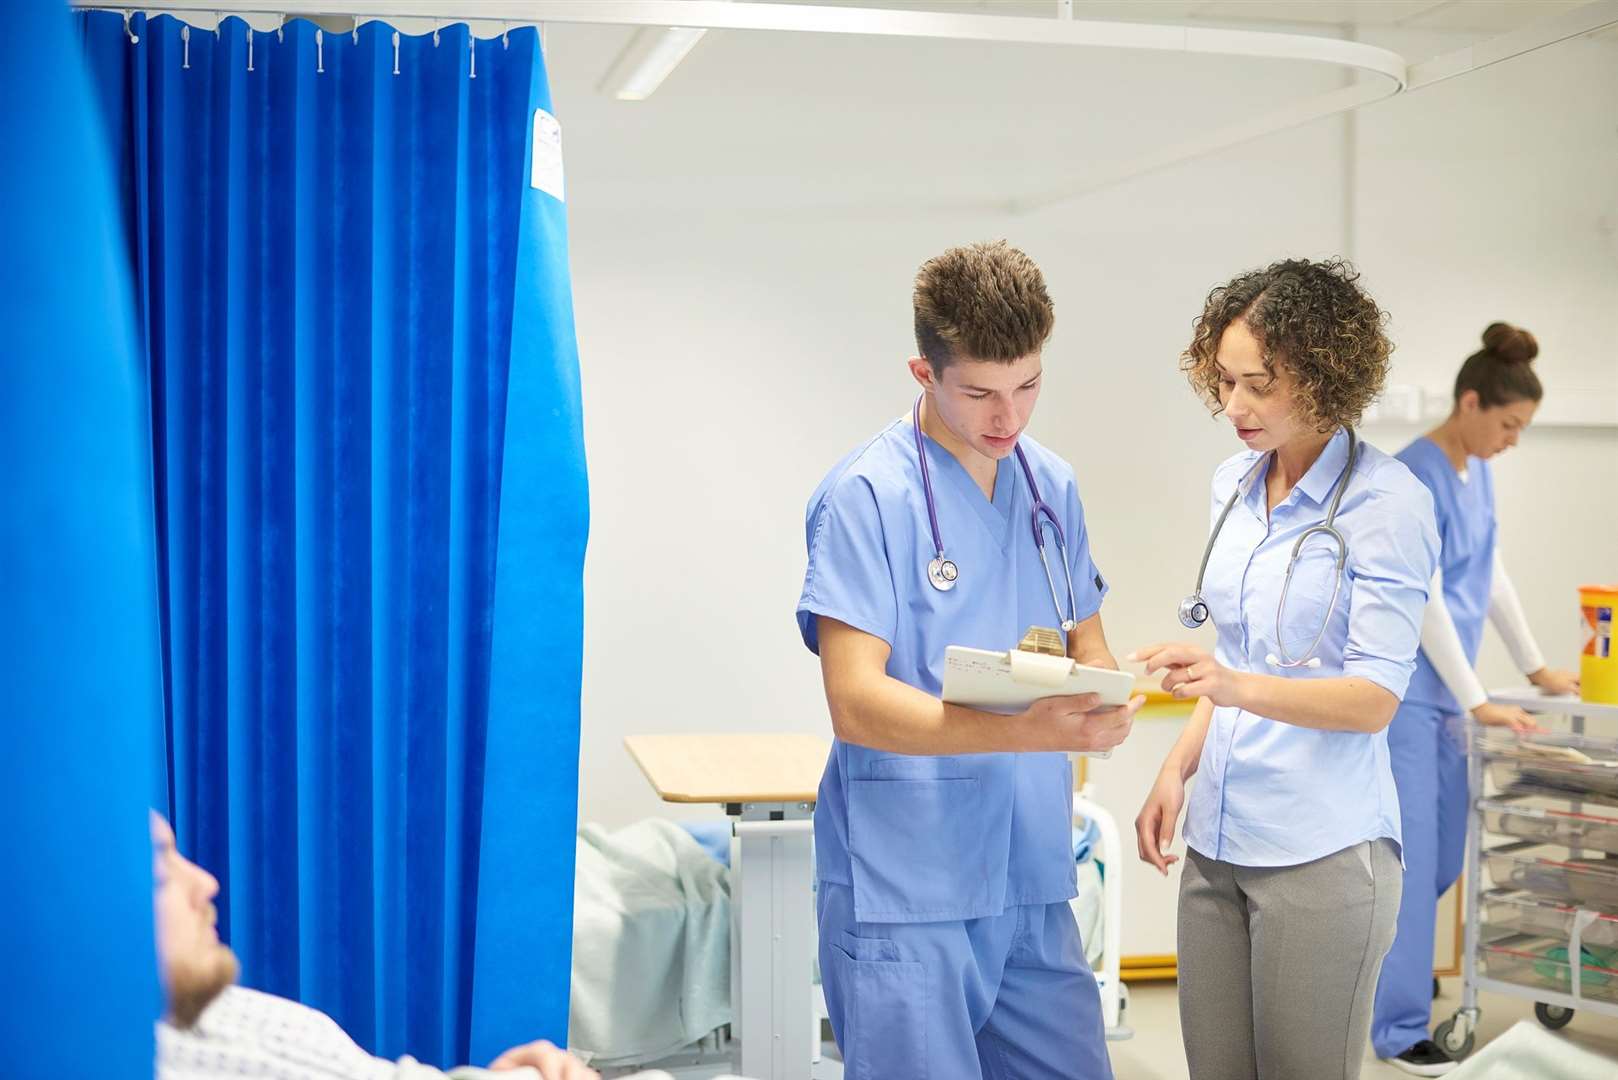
pixel 1273 794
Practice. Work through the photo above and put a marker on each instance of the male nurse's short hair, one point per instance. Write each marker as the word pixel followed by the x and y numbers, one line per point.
pixel 981 302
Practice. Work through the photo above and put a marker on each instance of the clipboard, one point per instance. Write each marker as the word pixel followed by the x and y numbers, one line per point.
pixel 1008 682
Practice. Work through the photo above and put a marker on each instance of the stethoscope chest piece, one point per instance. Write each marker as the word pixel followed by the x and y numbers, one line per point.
pixel 1193 611
pixel 943 573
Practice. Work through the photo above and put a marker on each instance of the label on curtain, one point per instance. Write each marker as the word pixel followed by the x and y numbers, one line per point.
pixel 547 173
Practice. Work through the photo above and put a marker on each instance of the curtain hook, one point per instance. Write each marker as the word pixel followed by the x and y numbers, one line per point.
pixel 249 48
pixel 134 38
pixel 435 37
pixel 472 49
pixel 320 52
pixel 218 22
pixel 396 52
pixel 356 29
pixel 185 46
pixel 280 32
pixel 505 35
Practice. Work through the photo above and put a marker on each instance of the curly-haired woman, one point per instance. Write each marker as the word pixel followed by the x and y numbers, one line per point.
pixel 1316 576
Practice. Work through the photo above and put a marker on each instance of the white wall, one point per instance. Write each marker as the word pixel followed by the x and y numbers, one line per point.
pixel 743 246
pixel 1492 197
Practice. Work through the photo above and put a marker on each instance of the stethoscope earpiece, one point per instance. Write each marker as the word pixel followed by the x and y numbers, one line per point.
pixel 1275 661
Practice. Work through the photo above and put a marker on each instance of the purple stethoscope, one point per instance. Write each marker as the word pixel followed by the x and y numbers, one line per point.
pixel 943 573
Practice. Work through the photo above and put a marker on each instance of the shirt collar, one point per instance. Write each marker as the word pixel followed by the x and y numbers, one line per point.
pixel 1254 466
pixel 1323 475
pixel 1317 483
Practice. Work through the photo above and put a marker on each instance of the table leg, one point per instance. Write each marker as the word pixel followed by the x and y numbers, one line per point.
pixel 771 939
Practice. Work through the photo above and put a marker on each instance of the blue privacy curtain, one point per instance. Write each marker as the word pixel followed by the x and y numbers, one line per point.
pixel 371 511
pixel 79 674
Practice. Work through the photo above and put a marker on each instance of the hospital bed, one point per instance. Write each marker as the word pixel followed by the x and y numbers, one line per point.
pixel 767 786
pixel 1111 855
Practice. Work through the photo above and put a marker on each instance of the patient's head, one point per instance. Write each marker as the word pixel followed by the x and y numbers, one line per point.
pixel 195 965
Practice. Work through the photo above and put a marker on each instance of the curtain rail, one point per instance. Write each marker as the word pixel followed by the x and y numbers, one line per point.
pixel 1391 74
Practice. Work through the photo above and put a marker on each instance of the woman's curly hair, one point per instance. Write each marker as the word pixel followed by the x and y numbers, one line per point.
pixel 1311 317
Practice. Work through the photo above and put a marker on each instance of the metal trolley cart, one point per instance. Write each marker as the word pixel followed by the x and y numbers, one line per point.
pixel 1543 825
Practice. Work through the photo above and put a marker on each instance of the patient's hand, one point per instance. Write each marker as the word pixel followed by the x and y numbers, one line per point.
pixel 552 1063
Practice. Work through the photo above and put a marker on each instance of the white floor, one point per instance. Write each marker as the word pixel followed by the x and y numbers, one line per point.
pixel 1156 1052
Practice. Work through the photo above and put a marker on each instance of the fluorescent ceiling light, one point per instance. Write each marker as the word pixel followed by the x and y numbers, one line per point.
pixel 647 60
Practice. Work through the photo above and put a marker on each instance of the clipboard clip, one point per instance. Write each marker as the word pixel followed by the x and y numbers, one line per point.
pixel 1044 641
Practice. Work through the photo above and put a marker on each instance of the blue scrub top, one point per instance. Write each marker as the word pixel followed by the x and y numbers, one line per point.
pixel 1466 530
pixel 1274 794
pixel 932 839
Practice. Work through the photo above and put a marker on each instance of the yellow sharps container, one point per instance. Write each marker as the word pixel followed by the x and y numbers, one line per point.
pixel 1598 667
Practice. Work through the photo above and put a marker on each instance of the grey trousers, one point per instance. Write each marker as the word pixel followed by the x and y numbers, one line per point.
pixel 1278 965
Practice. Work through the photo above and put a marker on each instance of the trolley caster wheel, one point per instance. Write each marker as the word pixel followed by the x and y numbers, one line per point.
pixel 1437 989
pixel 1554 1017
pixel 1456 1043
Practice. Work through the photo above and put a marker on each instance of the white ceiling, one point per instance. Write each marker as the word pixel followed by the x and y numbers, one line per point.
pixel 1490 16
pixel 762 120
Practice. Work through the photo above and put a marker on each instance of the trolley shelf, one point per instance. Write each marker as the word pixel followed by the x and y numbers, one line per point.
pixel 1507 912
pixel 1551 821
pixel 1571 765
pixel 1553 872
pixel 1553 908
pixel 1541 963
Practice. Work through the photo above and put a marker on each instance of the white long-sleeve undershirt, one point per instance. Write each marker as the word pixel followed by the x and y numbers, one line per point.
pixel 1442 643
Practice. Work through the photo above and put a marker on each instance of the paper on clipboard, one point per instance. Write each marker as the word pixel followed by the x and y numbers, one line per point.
pixel 1009 682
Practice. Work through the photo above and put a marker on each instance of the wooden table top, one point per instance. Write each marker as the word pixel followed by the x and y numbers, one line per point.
pixel 731 768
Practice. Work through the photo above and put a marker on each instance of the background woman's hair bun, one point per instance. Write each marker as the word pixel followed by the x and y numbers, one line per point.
pixel 1510 343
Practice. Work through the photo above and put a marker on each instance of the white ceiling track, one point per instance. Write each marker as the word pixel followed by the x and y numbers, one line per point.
pixel 1390 73
pixel 800 18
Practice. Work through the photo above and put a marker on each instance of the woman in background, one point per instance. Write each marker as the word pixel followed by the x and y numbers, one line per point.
pixel 1496 395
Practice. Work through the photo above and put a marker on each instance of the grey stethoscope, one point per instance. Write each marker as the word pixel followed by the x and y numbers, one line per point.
pixel 943 573
pixel 1194 609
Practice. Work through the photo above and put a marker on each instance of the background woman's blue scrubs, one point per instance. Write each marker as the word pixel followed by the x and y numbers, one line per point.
pixel 947 945
pixel 1427 747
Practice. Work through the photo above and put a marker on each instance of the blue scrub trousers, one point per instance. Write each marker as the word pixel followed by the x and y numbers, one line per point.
pixel 1429 768
pixel 1008 997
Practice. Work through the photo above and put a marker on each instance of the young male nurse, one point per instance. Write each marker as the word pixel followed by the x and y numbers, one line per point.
pixel 943 835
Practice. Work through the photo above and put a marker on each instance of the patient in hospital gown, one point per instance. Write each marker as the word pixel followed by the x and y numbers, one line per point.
pixel 217 1029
